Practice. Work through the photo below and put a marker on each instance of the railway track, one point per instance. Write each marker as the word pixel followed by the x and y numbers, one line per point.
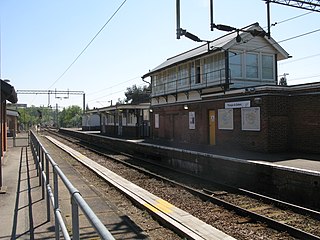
pixel 254 211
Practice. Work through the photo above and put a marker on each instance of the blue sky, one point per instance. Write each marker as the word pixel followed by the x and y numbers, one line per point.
pixel 40 39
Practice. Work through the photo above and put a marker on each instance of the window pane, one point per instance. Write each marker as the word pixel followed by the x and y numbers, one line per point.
pixel 235 65
pixel 252 59
pixel 252 65
pixel 252 72
pixel 235 71
pixel 234 59
pixel 267 61
pixel 267 67
pixel 267 73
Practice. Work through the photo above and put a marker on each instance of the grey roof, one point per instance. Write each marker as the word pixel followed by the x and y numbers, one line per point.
pixel 219 44
pixel 12 113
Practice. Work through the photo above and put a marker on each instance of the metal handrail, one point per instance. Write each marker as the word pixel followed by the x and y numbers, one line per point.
pixel 43 160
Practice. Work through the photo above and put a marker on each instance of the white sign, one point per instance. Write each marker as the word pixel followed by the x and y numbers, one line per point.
pixel 156 121
pixel 240 104
pixel 250 118
pixel 192 120
pixel 225 119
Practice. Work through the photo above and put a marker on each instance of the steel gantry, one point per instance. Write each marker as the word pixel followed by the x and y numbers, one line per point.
pixel 56 93
pixel 312 5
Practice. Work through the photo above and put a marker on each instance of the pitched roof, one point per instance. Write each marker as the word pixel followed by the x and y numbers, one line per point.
pixel 8 92
pixel 219 44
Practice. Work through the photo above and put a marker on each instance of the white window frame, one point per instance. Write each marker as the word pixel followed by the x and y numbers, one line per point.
pixel 242 66
pixel 273 66
pixel 258 65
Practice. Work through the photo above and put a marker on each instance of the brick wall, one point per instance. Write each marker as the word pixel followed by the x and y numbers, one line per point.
pixel 290 121
pixel 305 123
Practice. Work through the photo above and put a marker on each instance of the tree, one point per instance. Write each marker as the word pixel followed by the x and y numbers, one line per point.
pixel 136 95
pixel 31 116
pixel 70 117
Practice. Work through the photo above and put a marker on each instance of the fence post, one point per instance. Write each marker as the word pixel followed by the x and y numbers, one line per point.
pixel 40 169
pixel 47 183
pixel 14 138
pixel 75 219
pixel 56 201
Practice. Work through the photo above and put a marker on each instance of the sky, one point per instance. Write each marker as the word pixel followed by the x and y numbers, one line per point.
pixel 43 43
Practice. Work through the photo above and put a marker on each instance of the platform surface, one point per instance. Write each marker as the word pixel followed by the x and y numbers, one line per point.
pixel 185 222
pixel 23 208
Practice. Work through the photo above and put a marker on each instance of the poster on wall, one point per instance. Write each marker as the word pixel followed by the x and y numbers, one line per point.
pixel 250 118
pixel 225 119
pixel 192 120
pixel 156 121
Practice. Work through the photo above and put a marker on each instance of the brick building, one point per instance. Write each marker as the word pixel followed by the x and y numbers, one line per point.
pixel 264 118
pixel 225 93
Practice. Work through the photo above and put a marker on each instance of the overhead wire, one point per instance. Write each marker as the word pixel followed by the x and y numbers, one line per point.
pixel 74 61
pixel 284 40
pixel 276 23
pixel 302 58
pixel 113 93
pixel 116 85
pixel 289 19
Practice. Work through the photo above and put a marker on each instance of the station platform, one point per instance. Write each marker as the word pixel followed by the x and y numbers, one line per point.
pixel 22 206
pixel 299 160
pixel 23 213
pixel 303 161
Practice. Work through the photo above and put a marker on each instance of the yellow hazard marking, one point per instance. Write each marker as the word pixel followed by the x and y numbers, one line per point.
pixel 161 205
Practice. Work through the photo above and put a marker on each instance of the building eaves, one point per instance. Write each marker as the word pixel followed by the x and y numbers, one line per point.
pixel 8 92
pixel 222 43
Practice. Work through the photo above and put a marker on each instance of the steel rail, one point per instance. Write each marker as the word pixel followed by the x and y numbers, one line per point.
pixel 203 195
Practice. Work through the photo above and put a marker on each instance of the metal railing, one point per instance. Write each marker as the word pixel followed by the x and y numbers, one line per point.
pixel 205 80
pixel 43 161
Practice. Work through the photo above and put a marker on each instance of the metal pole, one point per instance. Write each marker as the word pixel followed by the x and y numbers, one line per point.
pixel 84 103
pixel 75 219
pixel 211 15
pixel 178 18
pixel 47 183
pixel 43 182
pixel 56 202
pixel 57 120
pixel 268 19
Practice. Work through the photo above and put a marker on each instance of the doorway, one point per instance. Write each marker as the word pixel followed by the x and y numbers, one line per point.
pixel 212 127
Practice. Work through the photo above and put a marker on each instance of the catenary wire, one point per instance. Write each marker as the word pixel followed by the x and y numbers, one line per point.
pixel 113 93
pixel 116 85
pixel 276 23
pixel 284 40
pixel 74 61
pixel 302 58
pixel 289 19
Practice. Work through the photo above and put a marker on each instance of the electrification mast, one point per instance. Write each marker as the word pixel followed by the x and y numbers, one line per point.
pixel 311 5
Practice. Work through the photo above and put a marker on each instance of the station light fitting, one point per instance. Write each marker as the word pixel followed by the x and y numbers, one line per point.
pixel 227 28
pixel 184 32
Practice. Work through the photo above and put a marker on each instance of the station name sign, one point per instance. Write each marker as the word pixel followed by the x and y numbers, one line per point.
pixel 239 104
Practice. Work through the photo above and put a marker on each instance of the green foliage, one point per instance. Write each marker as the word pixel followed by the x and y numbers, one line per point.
pixel 70 117
pixel 32 116
pixel 136 95
pixel 47 116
